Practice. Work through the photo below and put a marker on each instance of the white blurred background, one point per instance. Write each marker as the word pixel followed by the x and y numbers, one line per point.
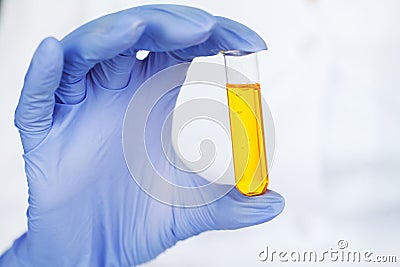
pixel 332 80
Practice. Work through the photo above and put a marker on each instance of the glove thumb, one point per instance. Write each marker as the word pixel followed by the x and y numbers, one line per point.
pixel 233 211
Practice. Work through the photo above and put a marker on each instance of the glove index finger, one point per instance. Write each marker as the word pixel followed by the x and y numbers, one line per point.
pixel 153 27
pixel 226 35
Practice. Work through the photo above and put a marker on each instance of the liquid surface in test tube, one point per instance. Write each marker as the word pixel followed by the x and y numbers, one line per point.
pixel 247 133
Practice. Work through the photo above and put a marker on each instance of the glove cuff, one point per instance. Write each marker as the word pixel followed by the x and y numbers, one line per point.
pixel 17 255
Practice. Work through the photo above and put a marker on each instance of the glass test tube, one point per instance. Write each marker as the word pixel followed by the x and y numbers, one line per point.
pixel 246 122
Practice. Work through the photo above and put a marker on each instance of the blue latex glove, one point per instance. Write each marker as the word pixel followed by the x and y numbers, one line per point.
pixel 84 207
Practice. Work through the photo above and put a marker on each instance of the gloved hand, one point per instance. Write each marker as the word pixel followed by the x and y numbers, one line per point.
pixel 84 207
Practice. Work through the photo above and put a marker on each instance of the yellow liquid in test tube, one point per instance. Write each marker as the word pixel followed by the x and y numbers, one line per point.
pixel 247 133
